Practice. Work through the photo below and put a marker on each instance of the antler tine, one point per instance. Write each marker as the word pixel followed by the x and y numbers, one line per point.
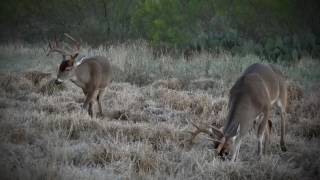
pixel 216 129
pixel 202 129
pixel 53 47
pixel 77 43
pixel 214 140
pixel 70 37
pixel 198 131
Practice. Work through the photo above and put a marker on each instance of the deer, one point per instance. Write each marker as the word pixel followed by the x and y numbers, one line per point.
pixel 91 74
pixel 251 98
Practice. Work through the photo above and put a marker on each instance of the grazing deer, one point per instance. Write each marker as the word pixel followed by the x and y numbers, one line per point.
pixel 92 74
pixel 251 100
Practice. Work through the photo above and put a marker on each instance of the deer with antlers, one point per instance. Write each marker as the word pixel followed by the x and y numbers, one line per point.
pixel 92 74
pixel 250 101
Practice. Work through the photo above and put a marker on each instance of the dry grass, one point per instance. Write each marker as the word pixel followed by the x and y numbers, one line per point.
pixel 44 133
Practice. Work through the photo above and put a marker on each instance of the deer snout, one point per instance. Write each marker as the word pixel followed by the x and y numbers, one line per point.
pixel 58 81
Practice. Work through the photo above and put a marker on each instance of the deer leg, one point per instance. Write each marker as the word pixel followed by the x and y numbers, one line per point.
pixel 266 139
pixel 261 131
pixel 267 135
pixel 282 141
pixel 99 99
pixel 236 149
pixel 282 104
pixel 90 111
pixel 91 97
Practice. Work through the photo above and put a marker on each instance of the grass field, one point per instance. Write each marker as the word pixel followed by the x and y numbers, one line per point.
pixel 44 133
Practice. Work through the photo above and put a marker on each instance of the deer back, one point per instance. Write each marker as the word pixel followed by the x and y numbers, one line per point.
pixel 94 72
pixel 256 89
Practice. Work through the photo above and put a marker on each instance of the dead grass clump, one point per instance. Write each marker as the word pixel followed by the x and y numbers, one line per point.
pixel 200 105
pixel 219 111
pixel 14 83
pixel 311 106
pixel 72 107
pixel 309 130
pixel 127 116
pixel 219 105
pixel 145 163
pixel 203 83
pixel 73 126
pixel 304 160
pixel 307 108
pixel 118 74
pixel 159 136
pixel 206 105
pixel 36 76
pixel 172 83
pixel 117 114
pixel 138 117
pixel 18 136
pixel 125 97
pixel 104 155
pixel 295 92
pixel 175 99
pixel 51 88
pixel 295 95
pixel 129 132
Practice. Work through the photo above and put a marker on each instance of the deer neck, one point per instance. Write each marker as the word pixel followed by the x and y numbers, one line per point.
pixel 80 59
pixel 239 116
pixel 74 78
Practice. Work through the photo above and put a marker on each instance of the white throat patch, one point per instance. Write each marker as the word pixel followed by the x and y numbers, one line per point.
pixel 80 60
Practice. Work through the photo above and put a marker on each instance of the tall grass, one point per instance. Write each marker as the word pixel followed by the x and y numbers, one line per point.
pixel 44 133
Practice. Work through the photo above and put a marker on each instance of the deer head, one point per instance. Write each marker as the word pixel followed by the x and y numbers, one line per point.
pixel 222 144
pixel 66 67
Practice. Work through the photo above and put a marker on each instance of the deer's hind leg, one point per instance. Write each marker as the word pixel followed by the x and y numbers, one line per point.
pixel 91 96
pixel 282 104
pixel 99 99
pixel 262 134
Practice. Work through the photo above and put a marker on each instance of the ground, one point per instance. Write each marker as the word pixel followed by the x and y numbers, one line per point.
pixel 44 133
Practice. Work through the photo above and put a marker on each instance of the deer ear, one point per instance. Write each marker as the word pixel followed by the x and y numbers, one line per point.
pixel 75 56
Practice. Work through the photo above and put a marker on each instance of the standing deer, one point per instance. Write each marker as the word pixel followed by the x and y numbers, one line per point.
pixel 92 74
pixel 250 101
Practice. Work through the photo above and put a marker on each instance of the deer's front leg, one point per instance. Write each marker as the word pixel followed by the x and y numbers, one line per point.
pixel 90 99
pixel 236 149
pixel 261 132
pixel 282 141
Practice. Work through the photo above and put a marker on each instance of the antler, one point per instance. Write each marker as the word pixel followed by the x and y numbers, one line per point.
pixel 201 130
pixel 55 47
pixel 218 130
pixel 77 43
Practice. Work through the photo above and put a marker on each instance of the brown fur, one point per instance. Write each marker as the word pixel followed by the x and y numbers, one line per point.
pixel 92 75
pixel 254 93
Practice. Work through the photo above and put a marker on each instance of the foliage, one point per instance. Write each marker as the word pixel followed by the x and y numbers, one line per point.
pixel 272 29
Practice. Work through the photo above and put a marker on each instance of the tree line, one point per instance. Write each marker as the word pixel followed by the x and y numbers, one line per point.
pixel 274 29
